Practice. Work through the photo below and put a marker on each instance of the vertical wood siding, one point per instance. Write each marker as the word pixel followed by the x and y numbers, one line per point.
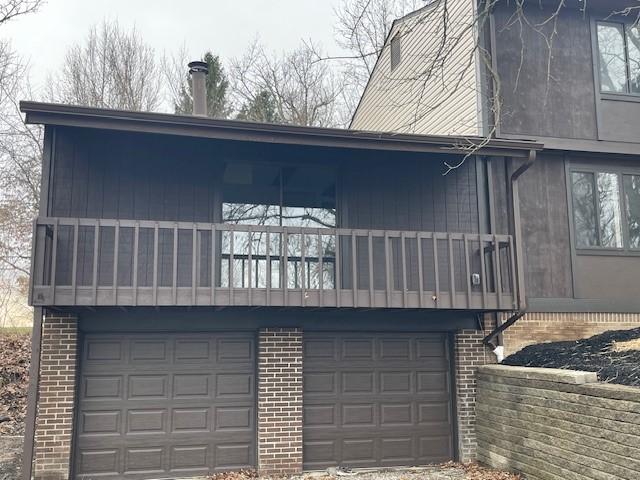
pixel 401 100
pixel 545 223
pixel 115 176
pixel 412 195
pixel 143 178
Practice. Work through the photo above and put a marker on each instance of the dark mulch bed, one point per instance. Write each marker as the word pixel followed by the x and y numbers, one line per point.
pixel 605 354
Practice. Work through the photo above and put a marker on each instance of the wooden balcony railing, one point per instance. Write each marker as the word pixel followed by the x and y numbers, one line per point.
pixel 148 263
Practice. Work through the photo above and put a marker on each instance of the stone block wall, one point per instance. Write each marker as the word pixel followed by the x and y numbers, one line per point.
pixel 557 424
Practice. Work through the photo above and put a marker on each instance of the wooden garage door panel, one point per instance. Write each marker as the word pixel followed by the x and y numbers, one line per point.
pixel 162 405
pixel 377 399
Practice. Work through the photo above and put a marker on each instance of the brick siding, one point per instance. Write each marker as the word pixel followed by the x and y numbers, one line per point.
pixel 54 427
pixel 470 354
pixel 280 401
pixel 552 327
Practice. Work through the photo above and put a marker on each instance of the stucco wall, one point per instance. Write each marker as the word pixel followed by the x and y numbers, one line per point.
pixel 557 424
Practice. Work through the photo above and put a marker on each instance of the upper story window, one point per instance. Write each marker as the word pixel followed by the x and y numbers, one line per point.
pixel 606 209
pixel 396 51
pixel 619 57
pixel 289 196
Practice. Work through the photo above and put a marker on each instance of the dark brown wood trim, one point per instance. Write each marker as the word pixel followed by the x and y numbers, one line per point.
pixel 202 127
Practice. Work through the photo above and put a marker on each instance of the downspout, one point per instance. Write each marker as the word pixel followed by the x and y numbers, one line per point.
pixel 489 340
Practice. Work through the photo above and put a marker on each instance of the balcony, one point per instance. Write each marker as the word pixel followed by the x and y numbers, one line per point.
pixel 101 262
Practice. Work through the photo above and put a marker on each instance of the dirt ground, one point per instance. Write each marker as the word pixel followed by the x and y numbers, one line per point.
pixel 10 457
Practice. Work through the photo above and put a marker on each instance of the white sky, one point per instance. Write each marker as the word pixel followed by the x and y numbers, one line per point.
pixel 225 27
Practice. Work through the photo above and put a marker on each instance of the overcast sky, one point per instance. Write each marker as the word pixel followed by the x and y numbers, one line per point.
pixel 224 26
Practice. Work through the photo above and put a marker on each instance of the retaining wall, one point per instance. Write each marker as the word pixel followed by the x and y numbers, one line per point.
pixel 557 424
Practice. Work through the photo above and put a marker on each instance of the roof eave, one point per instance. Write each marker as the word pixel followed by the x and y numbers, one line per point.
pixel 204 127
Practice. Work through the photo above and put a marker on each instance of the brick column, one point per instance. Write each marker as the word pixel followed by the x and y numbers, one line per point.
pixel 470 353
pixel 280 401
pixel 54 427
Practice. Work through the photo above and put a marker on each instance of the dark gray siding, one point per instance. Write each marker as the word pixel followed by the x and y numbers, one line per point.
pixel 534 104
pixel 105 175
pixel 545 229
pixel 113 175
pixel 606 275
pixel 558 96
pixel 544 222
pixel 411 195
pixel 554 269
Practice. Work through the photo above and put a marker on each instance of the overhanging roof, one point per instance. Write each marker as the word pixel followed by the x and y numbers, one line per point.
pixel 204 127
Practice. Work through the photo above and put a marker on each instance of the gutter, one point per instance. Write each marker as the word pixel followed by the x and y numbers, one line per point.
pixel 519 257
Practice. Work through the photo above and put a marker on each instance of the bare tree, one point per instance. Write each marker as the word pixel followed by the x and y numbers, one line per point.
pixel 20 153
pixel 361 29
pixel 304 91
pixel 113 68
pixel 10 9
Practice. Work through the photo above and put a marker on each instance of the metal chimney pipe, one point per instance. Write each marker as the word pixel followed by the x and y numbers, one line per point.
pixel 199 71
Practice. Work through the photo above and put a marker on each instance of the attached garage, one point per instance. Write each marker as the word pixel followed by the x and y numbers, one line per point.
pixel 159 405
pixel 377 399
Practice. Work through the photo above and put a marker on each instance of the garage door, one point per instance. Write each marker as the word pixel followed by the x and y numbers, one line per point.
pixel 376 400
pixel 165 405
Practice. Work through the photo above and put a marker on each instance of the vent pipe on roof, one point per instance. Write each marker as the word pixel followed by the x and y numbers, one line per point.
pixel 199 71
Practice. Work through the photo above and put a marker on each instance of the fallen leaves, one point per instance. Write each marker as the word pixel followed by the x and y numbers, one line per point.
pixel 15 353
pixel 245 474
pixel 452 470
pixel 475 471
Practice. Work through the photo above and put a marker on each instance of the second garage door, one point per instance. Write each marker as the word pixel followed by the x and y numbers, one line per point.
pixel 376 399
pixel 160 405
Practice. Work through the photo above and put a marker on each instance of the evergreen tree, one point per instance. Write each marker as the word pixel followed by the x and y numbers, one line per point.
pixel 217 85
pixel 262 108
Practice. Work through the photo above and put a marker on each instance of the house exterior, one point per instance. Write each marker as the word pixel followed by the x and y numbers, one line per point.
pixel 569 81
pixel 215 294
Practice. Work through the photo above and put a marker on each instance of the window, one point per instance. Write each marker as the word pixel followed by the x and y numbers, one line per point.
pixel 265 194
pixel 395 51
pixel 606 209
pixel 619 57
pixel 282 196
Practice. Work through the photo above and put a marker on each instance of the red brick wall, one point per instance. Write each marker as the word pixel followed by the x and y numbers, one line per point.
pixel 553 327
pixel 280 401
pixel 54 427
pixel 470 354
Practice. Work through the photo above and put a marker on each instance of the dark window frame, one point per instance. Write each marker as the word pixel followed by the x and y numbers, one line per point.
pixel 624 26
pixel 620 172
